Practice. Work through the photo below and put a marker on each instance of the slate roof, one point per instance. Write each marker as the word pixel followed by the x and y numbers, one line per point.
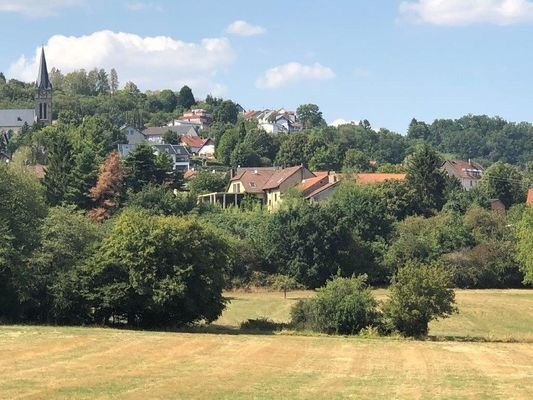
pixel 160 130
pixel 43 81
pixel 16 118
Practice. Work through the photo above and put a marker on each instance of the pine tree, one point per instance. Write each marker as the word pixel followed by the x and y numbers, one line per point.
pixel 113 80
pixel 108 189
pixel 426 178
pixel 58 173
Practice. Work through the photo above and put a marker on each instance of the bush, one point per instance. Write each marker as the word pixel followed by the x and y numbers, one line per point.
pixel 343 306
pixel 261 324
pixel 418 295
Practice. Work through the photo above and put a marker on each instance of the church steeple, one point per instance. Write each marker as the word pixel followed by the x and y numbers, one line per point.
pixel 43 81
pixel 43 93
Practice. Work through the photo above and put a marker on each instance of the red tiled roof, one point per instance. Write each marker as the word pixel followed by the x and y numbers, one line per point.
pixel 254 179
pixel 320 189
pixel 378 177
pixel 193 141
pixel 529 200
pixel 280 176
pixel 465 169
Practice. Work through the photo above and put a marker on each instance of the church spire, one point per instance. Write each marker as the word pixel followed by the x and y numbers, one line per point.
pixel 43 81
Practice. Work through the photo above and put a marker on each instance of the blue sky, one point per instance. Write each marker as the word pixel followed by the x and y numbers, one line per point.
pixel 387 61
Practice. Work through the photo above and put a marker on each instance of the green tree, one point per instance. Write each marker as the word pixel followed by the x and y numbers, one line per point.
pixel 226 112
pixel 292 150
pixel 141 167
pixel 228 141
pixel 419 294
pixel 185 98
pixel 161 200
pixel 425 177
pixel 356 160
pixel 310 115
pixel 113 81
pixel 142 273
pixel 525 244
pixel 504 182
pixel 170 137
pixel 244 156
pixel 344 306
pixel 207 182
pixel 58 179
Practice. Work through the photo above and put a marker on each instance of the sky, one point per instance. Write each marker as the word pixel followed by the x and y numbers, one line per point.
pixel 386 61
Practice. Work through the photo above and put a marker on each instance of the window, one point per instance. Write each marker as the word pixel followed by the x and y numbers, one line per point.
pixel 40 110
pixel 275 197
pixel 44 111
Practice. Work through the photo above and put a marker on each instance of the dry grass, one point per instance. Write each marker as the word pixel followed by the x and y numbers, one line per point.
pixel 91 363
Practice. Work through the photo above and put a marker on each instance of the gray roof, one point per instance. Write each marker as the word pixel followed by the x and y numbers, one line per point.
pixel 160 130
pixel 171 148
pixel 125 149
pixel 43 81
pixel 16 118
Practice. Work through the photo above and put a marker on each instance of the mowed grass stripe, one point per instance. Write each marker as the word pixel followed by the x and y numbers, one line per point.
pixel 136 365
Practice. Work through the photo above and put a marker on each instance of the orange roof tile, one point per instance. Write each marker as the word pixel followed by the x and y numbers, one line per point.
pixel 378 177
pixel 529 200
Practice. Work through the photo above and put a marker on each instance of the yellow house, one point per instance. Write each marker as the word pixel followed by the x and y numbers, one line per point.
pixel 268 184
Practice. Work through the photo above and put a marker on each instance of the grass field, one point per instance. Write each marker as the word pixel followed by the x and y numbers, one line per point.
pixel 93 363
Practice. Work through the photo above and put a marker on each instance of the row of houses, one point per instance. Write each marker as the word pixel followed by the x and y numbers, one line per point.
pixel 268 185
pixel 275 121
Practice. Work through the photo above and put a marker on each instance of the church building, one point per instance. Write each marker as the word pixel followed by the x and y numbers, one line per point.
pixel 13 120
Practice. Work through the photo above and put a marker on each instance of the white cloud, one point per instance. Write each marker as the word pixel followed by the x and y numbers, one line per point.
pixel 37 8
pixel 151 62
pixel 292 73
pixel 141 6
pixel 467 12
pixel 243 28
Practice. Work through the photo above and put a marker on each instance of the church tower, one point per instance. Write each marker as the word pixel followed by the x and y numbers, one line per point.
pixel 43 94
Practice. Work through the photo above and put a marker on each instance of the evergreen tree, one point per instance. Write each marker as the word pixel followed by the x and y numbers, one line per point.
pixel 106 194
pixel 426 178
pixel 58 179
pixel 185 98
pixel 113 80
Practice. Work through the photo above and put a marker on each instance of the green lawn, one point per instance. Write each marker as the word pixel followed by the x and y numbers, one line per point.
pixel 94 363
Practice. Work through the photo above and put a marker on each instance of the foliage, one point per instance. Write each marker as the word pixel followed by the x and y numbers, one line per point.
pixel 344 306
pixel 161 200
pixel 425 177
pixel 158 271
pixel 304 241
pixel 525 244
pixel 108 189
pixel 419 294
pixel 309 115
pixel 207 182
pixel 504 182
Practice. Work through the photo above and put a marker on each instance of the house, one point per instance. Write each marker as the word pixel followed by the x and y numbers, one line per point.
pixel 12 120
pixel 469 173
pixel 178 153
pixel 197 116
pixel 529 200
pixel 133 135
pixel 203 147
pixel 155 134
pixel 267 184
pixel 320 187
pixel 281 181
pixel 275 121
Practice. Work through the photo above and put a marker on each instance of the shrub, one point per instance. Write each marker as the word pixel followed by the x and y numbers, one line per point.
pixel 418 295
pixel 343 306
pixel 261 324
